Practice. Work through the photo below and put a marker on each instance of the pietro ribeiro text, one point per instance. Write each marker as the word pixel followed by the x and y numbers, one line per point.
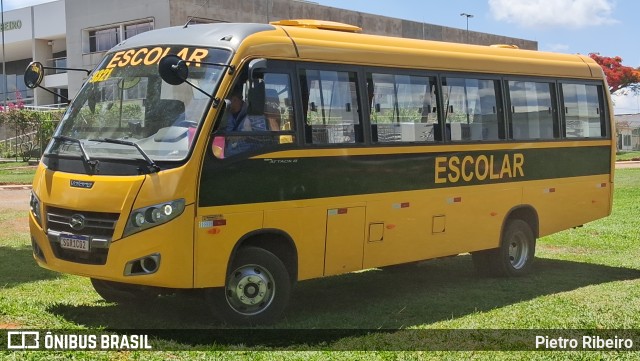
pixel 583 343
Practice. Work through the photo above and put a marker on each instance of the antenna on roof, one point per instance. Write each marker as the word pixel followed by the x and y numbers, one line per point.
pixel 196 12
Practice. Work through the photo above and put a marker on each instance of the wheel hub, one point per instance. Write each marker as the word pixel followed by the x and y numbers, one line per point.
pixel 250 289
pixel 518 251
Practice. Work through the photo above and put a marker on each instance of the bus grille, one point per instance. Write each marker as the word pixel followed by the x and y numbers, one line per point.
pixel 97 225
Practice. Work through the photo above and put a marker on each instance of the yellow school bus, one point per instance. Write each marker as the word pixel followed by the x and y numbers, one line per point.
pixel 239 159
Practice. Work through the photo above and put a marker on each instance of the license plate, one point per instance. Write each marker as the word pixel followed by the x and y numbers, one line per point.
pixel 74 242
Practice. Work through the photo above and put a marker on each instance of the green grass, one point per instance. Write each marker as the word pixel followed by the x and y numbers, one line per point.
pixel 16 173
pixel 584 278
pixel 5 165
pixel 621 156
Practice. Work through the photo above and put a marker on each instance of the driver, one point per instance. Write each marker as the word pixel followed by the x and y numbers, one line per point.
pixel 237 113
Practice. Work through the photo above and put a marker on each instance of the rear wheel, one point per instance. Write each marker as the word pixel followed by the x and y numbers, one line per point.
pixel 257 289
pixel 123 292
pixel 515 255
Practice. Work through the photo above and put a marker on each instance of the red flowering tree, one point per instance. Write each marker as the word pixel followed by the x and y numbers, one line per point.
pixel 618 76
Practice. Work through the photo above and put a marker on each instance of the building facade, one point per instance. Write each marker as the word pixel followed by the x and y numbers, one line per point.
pixel 77 33
pixel 628 131
pixel 32 33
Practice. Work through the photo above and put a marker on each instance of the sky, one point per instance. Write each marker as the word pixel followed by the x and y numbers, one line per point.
pixel 608 27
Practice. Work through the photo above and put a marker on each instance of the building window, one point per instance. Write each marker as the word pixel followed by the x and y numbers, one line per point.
pixel 106 38
pixel 16 89
pixel 135 29
pixel 103 39
pixel 196 20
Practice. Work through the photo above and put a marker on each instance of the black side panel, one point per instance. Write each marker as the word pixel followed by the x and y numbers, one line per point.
pixel 225 182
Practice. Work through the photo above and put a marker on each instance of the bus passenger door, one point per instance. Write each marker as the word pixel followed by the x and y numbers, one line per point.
pixel 344 245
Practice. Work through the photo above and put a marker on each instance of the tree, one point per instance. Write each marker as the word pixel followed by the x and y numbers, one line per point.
pixel 618 76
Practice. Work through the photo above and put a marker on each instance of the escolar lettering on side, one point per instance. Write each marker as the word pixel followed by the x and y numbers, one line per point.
pixel 468 168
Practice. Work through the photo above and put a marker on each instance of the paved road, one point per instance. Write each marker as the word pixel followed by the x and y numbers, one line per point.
pixel 14 198
pixel 630 164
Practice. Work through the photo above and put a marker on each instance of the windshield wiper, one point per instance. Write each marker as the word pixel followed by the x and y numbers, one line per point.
pixel 85 156
pixel 152 166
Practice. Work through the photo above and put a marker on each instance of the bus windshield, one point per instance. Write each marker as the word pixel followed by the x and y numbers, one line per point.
pixel 125 100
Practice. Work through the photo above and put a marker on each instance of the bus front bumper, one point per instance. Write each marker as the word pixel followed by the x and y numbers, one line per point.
pixel 130 259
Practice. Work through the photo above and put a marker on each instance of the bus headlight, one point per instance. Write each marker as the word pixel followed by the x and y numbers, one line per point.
pixel 138 219
pixel 147 217
pixel 34 205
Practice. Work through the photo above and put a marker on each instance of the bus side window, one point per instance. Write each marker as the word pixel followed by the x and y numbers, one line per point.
pixel 272 110
pixel 332 115
pixel 471 109
pixel 533 113
pixel 278 106
pixel 584 115
pixel 401 108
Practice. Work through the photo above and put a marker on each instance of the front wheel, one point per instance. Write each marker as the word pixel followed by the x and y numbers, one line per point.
pixel 515 255
pixel 256 291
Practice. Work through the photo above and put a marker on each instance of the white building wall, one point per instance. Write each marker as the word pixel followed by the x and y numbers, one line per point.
pixel 18 41
pixel 83 16
pixel 24 33
pixel 51 20
pixel 45 21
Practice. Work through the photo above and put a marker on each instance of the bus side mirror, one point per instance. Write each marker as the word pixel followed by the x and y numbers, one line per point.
pixel 257 67
pixel 33 75
pixel 173 69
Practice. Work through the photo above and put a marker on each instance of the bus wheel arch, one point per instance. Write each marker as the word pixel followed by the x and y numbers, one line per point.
pixel 516 251
pixel 525 213
pixel 275 241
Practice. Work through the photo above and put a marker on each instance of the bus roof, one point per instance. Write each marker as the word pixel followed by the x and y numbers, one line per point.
pixel 326 45
pixel 313 41
pixel 219 35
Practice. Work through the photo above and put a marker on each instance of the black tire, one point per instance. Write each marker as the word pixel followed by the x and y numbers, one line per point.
pixel 515 255
pixel 122 292
pixel 257 289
